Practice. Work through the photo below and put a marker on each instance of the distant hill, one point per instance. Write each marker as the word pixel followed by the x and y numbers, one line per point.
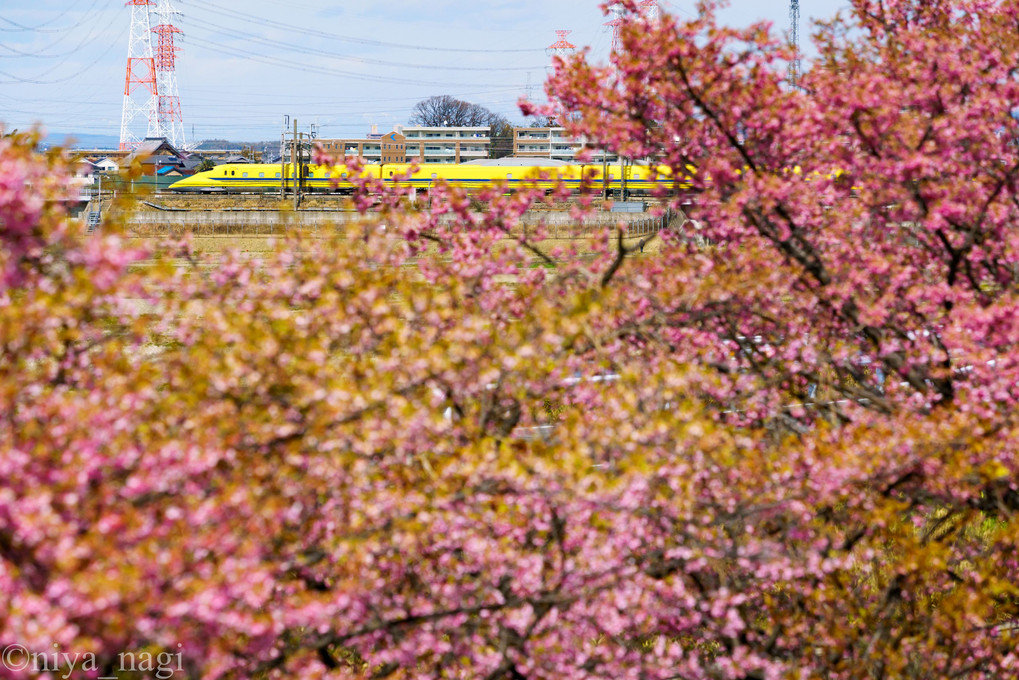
pixel 225 144
pixel 76 140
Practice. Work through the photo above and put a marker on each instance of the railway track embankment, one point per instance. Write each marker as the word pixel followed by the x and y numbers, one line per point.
pixel 241 222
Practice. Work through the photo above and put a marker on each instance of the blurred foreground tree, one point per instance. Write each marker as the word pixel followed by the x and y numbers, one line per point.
pixel 367 456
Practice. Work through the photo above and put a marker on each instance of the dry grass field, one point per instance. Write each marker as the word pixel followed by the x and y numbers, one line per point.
pixel 251 224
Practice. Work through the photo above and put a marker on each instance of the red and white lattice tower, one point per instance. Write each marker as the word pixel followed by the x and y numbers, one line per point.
pixel 561 47
pixel 646 8
pixel 140 90
pixel 169 119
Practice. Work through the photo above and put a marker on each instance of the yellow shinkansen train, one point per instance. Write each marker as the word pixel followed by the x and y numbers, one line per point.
pixel 640 179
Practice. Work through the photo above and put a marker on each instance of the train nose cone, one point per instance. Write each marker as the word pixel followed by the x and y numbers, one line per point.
pixel 182 184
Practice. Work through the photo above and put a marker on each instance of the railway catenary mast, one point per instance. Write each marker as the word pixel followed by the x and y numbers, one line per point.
pixel 139 111
pixel 169 119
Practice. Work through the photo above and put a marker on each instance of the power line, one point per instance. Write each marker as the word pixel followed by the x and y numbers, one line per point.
pixel 76 74
pixel 313 68
pixel 361 60
pixel 357 40
pixel 96 28
pixel 34 29
pixel 38 29
pixel 96 19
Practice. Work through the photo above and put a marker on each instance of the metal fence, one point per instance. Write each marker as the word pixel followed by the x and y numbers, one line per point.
pixel 538 225
pixel 240 222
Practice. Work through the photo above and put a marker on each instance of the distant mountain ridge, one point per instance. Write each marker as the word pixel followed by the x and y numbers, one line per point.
pixel 224 144
pixel 74 140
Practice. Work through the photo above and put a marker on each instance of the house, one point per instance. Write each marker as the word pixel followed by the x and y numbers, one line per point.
pixel 191 164
pixel 153 154
pixel 107 165
pixel 83 179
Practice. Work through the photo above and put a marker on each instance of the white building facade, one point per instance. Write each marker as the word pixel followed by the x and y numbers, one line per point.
pixel 446 144
pixel 552 142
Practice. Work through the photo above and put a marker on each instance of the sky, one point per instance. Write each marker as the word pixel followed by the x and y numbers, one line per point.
pixel 344 66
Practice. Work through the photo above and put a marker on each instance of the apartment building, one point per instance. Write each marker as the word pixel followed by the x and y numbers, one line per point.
pixel 552 142
pixel 447 144
pixel 373 148
pixel 423 144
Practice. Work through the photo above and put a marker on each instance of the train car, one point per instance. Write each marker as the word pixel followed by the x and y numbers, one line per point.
pixel 255 177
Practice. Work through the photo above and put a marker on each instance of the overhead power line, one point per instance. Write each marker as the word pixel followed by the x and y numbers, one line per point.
pixel 36 81
pixel 312 68
pixel 21 28
pixel 361 60
pixel 91 18
pixel 355 39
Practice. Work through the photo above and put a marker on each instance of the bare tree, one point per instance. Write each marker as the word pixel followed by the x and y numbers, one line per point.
pixel 501 132
pixel 447 111
pixel 543 122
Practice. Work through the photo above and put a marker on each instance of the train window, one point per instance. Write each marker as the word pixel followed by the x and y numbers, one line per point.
pixel 277 175
pixel 244 174
pixel 261 174
pixel 435 176
pixel 232 173
pixel 509 175
pixel 390 173
pixel 343 175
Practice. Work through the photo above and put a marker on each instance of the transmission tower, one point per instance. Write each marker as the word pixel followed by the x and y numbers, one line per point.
pixel 561 47
pixel 169 120
pixel 140 89
pixel 646 8
pixel 794 36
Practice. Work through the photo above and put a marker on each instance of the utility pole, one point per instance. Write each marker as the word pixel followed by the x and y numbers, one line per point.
pixel 604 176
pixel 283 157
pixel 294 168
pixel 794 37
pixel 623 177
